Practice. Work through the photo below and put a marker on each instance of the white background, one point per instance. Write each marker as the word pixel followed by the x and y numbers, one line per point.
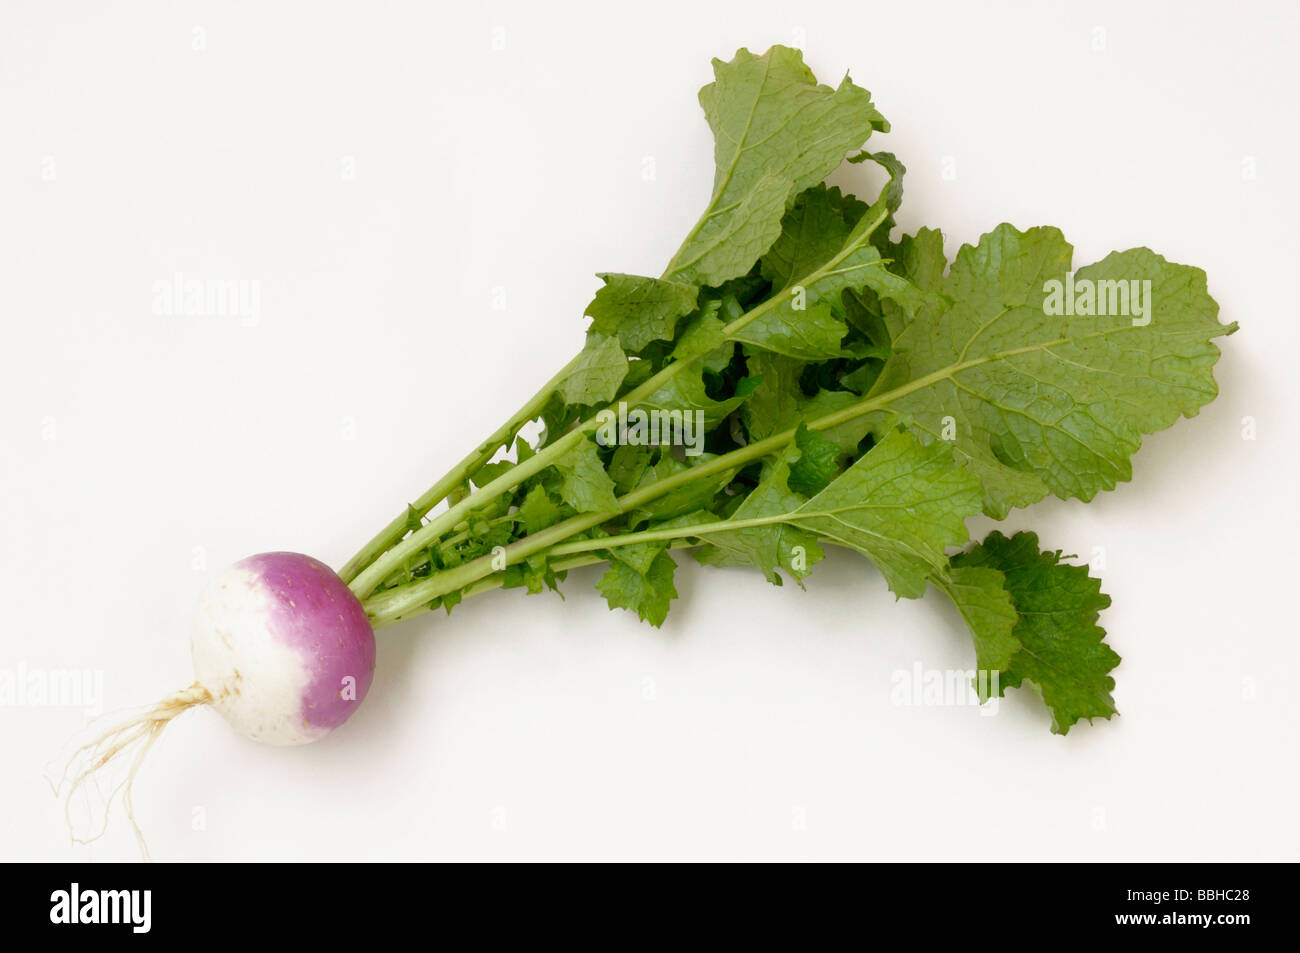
pixel 142 452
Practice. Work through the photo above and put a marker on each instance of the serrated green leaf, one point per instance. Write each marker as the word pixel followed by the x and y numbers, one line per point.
pixel 921 260
pixel 806 330
pixel 813 230
pixel 627 465
pixel 640 556
pixel 705 337
pixel 685 392
pixel 779 403
pixel 768 548
pixel 639 310
pixel 537 511
pixel 776 402
pixel 980 595
pixel 1037 403
pixel 448 601
pixel 900 506
pixel 1062 649
pixel 557 416
pixel 596 375
pixel 863 310
pixel 648 593
pixel 777 132
pixel 820 256
pixel 817 464
pixel 533 574
pixel 689 497
pixel 490 471
pixel 848 434
pixel 584 484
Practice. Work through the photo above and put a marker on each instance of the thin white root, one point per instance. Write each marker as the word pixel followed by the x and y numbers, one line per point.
pixel 137 734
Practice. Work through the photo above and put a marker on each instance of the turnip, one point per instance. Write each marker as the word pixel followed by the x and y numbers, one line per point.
pixel 282 650
pixel 856 390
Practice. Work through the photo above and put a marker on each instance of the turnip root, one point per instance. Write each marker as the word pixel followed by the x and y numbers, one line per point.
pixel 282 650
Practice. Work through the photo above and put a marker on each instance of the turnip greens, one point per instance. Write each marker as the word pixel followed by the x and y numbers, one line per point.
pixel 855 389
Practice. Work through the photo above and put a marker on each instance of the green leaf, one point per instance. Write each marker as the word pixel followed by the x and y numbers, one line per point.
pixel 705 337
pixel 814 229
pixel 809 331
pixel 1038 403
pixel 777 132
pixel 1062 649
pixel 980 595
pixel 448 601
pixel 847 434
pixel 648 593
pixel 597 374
pixel 640 556
pixel 780 404
pixel 817 464
pixel 628 464
pixel 533 574
pixel 768 548
pixel 557 416
pixel 777 401
pixel 490 471
pixel 687 498
pixel 821 255
pixel 584 484
pixel 921 259
pixel 891 196
pixel 537 511
pixel 900 506
pixel 685 392
pixel 639 310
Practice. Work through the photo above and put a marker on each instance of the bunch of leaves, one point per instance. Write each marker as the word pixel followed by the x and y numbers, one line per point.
pixel 857 391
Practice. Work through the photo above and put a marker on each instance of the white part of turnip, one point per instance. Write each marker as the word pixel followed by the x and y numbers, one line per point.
pixel 256 681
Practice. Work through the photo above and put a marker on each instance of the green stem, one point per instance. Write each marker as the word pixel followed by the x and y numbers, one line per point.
pixel 372 576
pixel 451 485
pixel 426 590
pixel 381 614
pixel 660 535
pixel 422 557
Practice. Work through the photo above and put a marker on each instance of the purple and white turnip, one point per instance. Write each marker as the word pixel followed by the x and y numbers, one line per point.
pixel 282 648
